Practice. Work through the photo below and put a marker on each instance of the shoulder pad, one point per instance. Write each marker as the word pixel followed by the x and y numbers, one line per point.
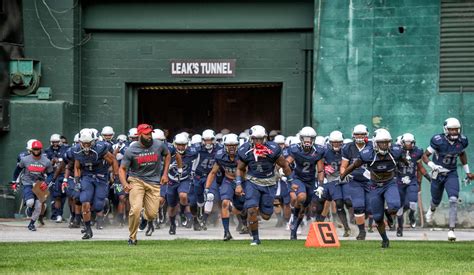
pixel 437 139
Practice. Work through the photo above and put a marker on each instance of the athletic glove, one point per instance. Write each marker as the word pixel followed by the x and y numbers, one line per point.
pixel 77 186
pixel 318 191
pixel 43 186
pixel 208 195
pixel 64 185
pixel 14 186
pixel 406 180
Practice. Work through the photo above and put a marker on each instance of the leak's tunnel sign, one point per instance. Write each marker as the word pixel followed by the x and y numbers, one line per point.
pixel 202 67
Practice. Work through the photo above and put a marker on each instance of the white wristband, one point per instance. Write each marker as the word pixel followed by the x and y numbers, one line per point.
pixel 466 168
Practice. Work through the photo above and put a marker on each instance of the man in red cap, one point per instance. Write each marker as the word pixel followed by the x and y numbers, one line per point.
pixel 35 168
pixel 143 161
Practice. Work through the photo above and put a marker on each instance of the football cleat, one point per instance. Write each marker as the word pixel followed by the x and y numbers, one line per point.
pixel 143 224
pixel 361 236
pixel 227 236
pixel 31 227
pixel 386 244
pixel 40 219
pixel 59 219
pixel 293 235
pixel 429 216
pixel 451 236
pixel 347 233
pixel 196 224
pixel 399 232
pixel 132 242
pixel 411 216
pixel 256 242
pixel 244 230
pixel 172 229
pixel 87 234
pixel 150 229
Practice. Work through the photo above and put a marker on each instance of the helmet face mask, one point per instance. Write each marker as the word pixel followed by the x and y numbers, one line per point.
pixel 336 145
pixel 86 146
pixel 382 141
pixel 209 143
pixel 452 128
pixel 307 142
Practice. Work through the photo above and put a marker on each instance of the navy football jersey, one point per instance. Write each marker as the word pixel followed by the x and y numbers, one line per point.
pixel 259 167
pixel 223 160
pixel 190 154
pixel 305 162
pixel 333 158
pixel 410 170
pixel 94 162
pixel 445 152
pixel 350 152
pixel 205 160
pixel 381 164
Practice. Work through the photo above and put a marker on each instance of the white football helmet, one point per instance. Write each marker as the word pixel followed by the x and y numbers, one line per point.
pixel 257 131
pixel 452 123
pixel 196 139
pixel 408 138
pixel 294 140
pixel 279 139
pixel 107 133
pixel 76 138
pixel 158 134
pixel 96 133
pixel 347 140
pixel 231 141
pixel 320 140
pixel 121 138
pixel 360 129
pixel 133 133
pixel 307 136
pixel 243 138
pixel 209 135
pixel 55 138
pixel 225 131
pixel 335 140
pixel 29 144
pixel 382 136
pixel 181 139
pixel 86 136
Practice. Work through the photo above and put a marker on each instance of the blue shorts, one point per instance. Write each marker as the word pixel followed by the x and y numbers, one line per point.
pixel 450 182
pixel 333 191
pixel 174 188
pixel 259 196
pixel 56 191
pixel 359 196
pixel 94 189
pixel 282 192
pixel 27 192
pixel 163 190
pixel 199 184
pixel 381 195
pixel 227 189
pixel 70 192
pixel 408 192
pixel 304 187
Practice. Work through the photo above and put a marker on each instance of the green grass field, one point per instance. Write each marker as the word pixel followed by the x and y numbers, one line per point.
pixel 190 256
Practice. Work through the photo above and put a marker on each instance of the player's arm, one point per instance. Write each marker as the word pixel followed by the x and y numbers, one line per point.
pixel 112 161
pixel 356 164
pixel 465 166
pixel 166 167
pixel 290 159
pixel 77 170
pixel 320 167
pixel 212 175
pixel 343 167
pixel 281 161
pixel 239 175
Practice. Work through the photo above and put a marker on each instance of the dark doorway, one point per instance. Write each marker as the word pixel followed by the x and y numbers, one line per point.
pixel 194 108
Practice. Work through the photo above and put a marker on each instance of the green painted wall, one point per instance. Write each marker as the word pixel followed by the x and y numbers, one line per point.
pixel 369 72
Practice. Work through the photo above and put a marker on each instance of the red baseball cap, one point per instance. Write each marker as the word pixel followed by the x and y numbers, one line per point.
pixel 36 145
pixel 144 129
